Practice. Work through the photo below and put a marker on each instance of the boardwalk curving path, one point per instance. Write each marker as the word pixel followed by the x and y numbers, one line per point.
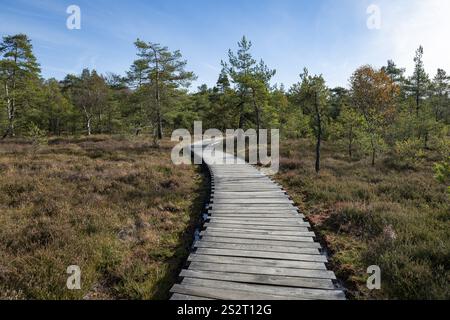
pixel 255 245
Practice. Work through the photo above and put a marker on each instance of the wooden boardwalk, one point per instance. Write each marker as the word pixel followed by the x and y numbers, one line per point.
pixel 255 245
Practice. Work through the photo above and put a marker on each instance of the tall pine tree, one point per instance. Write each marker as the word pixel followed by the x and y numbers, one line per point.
pixel 19 76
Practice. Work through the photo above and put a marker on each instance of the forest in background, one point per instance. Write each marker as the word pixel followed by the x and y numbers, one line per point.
pixel 384 110
pixel 369 164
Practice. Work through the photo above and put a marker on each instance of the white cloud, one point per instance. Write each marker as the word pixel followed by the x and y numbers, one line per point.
pixel 408 24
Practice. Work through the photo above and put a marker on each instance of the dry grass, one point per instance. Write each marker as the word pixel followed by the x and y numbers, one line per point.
pixel 116 207
pixel 395 218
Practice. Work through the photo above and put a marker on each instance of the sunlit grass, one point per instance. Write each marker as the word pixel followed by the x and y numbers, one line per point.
pixel 395 218
pixel 117 207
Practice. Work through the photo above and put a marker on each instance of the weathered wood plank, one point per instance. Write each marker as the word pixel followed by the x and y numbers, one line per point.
pixel 306 238
pixel 300 293
pixel 251 201
pixel 260 254
pixel 263 223
pixel 260 279
pixel 224 294
pixel 257 215
pixel 290 272
pixel 222 187
pixel 254 247
pixel 251 208
pixel 262 194
pixel 266 232
pixel 260 227
pixel 259 241
pixel 253 211
pixel 257 261
pixel 259 219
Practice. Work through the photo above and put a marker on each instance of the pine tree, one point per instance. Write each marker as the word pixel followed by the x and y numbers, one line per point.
pixel 418 83
pixel 19 75
pixel 161 71
pixel 251 81
pixel 441 96
pixel 395 73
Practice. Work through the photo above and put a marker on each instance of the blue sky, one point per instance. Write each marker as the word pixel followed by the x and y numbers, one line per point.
pixel 330 37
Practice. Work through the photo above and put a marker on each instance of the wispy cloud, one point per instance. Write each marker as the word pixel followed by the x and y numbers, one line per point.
pixel 409 24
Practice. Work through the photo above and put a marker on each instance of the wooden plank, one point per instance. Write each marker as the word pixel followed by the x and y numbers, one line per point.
pixel 258 241
pixel 223 294
pixel 263 223
pixel 254 247
pixel 238 196
pixel 253 211
pixel 289 272
pixel 271 194
pixel 259 279
pixel 257 215
pixel 266 232
pixel 249 185
pixel 248 179
pixel 271 201
pixel 299 293
pixel 260 254
pixel 259 227
pixel 245 188
pixel 307 238
pixel 215 197
pixel 246 261
pixel 257 207
pixel 259 219
pixel 251 216
pixel 284 204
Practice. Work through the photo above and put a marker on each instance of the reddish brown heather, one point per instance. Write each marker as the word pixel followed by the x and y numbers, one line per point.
pixel 117 207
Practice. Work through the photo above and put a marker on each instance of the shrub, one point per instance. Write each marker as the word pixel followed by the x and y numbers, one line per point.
pixel 409 153
pixel 442 172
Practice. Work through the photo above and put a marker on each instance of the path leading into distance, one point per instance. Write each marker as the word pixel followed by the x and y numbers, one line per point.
pixel 255 244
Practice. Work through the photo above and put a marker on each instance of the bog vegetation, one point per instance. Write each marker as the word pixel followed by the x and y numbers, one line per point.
pixel 379 149
pixel 114 206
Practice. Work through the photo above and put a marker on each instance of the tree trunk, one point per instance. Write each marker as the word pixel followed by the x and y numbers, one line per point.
pixel 319 138
pixel 425 142
pixel 58 126
pixel 372 143
pixel 88 126
pixel 417 104
pixel 11 114
pixel 88 121
pixel 241 115
pixel 418 94
pixel 158 98
pixel 350 143
pixel 319 134
pixel 258 125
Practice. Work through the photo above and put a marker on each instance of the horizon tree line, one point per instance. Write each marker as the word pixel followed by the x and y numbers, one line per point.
pixel 384 110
